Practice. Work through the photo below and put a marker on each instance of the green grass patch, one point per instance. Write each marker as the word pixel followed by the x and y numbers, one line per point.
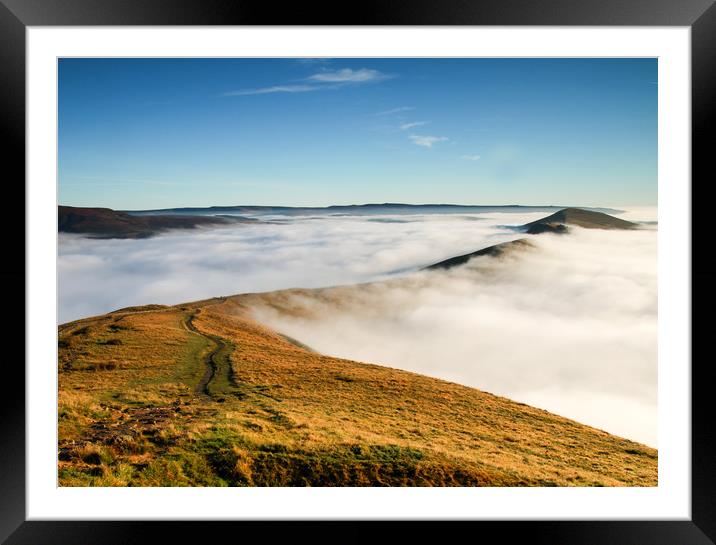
pixel 190 368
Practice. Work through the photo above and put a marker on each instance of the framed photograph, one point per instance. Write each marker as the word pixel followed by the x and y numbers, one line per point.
pixel 423 263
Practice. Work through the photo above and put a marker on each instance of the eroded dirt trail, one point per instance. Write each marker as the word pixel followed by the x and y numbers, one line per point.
pixel 216 360
pixel 220 380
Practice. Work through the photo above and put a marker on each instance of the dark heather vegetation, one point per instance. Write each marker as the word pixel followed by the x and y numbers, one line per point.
pixel 107 223
pixel 587 219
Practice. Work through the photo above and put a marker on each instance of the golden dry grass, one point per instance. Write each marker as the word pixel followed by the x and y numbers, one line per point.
pixel 276 414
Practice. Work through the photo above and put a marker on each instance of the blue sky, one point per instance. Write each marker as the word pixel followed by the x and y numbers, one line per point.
pixel 159 133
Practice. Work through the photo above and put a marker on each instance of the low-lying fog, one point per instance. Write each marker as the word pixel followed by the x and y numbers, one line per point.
pixel 569 325
pixel 97 276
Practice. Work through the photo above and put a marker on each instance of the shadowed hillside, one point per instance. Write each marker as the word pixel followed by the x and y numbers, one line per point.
pixel 494 251
pixel 587 219
pixel 556 223
pixel 107 223
pixel 200 394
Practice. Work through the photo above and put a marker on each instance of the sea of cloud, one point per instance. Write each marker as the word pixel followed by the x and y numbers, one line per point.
pixel 97 276
pixel 569 325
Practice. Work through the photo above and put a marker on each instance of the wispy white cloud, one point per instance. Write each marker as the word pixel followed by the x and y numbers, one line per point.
pixel 427 141
pixel 395 110
pixel 406 126
pixel 313 60
pixel 327 79
pixel 273 89
pixel 348 75
pixel 470 157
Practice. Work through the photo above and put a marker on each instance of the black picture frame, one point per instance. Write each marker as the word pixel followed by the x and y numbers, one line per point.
pixel 699 15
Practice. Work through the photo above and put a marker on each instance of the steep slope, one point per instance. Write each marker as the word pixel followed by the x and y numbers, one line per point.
pixel 202 395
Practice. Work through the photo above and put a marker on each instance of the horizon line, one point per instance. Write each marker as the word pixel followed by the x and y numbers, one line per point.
pixel 367 204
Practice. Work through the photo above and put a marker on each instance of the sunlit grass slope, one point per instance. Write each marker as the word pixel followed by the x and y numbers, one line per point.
pixel 202 395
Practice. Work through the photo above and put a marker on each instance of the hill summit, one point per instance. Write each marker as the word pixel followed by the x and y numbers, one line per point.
pixel 556 223
pixel 587 219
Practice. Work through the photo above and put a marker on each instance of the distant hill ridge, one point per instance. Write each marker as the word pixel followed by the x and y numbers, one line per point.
pixel 556 223
pixel 493 251
pixel 108 223
pixel 588 219
pixel 369 208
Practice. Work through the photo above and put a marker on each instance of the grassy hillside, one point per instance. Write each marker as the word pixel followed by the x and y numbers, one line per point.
pixel 202 395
